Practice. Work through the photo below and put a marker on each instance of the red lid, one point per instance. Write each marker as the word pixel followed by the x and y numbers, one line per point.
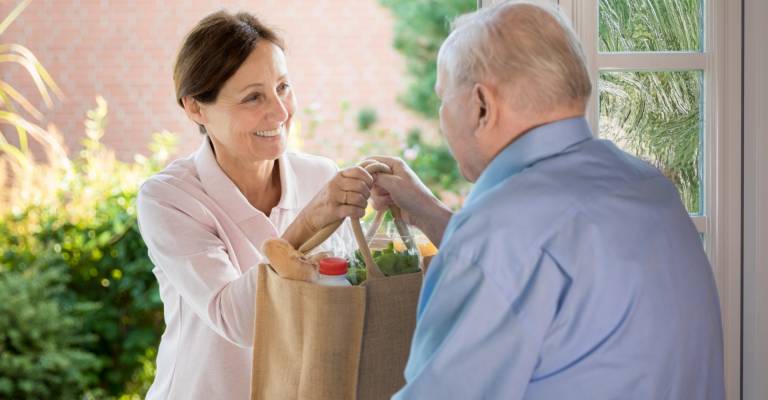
pixel 333 266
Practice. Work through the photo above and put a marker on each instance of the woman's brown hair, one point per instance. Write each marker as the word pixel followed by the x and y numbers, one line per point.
pixel 213 51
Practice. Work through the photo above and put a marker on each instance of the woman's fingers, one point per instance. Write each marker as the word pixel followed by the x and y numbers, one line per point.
pixel 352 199
pixel 355 186
pixel 344 211
pixel 358 173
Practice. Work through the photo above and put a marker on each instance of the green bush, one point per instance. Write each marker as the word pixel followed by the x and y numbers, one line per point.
pixel 43 351
pixel 366 118
pixel 420 28
pixel 86 222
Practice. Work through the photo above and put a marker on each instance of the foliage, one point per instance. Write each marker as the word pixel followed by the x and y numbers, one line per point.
pixel 650 25
pixel 73 220
pixel 655 115
pixel 389 261
pixel 87 222
pixel 42 348
pixel 12 103
pixel 434 164
pixel 421 27
pixel 366 118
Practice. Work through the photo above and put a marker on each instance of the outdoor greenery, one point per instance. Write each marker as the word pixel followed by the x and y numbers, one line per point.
pixel 83 224
pixel 420 28
pixel 655 115
pixel 80 313
pixel 43 351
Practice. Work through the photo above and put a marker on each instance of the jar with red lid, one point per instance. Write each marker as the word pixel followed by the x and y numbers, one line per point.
pixel 333 272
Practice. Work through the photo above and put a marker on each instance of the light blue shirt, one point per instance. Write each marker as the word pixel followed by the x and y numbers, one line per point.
pixel 572 272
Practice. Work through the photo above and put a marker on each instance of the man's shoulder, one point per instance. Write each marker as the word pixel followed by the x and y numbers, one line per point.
pixel 598 184
pixel 585 177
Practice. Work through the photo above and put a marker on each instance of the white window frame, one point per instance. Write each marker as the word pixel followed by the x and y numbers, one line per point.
pixel 755 323
pixel 721 63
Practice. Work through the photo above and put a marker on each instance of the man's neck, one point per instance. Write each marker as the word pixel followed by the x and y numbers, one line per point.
pixel 519 123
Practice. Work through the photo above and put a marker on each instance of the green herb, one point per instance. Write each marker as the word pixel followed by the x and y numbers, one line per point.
pixel 390 263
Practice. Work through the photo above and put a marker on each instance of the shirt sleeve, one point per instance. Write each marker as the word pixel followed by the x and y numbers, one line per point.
pixel 475 339
pixel 197 265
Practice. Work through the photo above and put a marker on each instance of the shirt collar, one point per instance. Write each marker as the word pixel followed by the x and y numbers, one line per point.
pixel 535 145
pixel 220 187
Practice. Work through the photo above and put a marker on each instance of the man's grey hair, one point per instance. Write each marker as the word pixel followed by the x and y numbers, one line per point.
pixel 524 46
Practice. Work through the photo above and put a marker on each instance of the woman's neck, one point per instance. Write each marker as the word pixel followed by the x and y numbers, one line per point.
pixel 258 181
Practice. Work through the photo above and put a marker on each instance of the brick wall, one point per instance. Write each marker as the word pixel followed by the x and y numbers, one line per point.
pixel 338 51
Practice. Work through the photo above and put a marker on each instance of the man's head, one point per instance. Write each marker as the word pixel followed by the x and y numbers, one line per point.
pixel 502 71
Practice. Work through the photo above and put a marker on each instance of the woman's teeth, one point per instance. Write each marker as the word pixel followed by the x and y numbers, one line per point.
pixel 271 133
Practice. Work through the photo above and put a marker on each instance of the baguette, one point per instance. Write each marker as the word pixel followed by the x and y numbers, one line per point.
pixel 288 262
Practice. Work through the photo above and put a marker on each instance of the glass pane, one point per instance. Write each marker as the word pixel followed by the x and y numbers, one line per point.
pixel 650 25
pixel 657 117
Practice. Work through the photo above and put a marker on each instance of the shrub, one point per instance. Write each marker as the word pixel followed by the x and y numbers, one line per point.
pixel 80 214
pixel 43 352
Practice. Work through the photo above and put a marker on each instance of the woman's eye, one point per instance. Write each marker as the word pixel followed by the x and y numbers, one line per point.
pixel 253 97
pixel 283 87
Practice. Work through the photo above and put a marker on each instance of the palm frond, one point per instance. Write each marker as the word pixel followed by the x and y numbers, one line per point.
pixel 655 115
pixel 8 20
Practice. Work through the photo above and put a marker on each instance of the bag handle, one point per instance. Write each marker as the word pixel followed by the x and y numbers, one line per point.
pixel 361 238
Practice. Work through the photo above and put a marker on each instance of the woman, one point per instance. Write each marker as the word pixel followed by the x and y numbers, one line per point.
pixel 205 217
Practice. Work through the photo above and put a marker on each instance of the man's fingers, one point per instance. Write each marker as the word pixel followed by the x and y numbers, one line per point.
pixel 388 183
pixel 394 163
pixel 378 191
pixel 381 202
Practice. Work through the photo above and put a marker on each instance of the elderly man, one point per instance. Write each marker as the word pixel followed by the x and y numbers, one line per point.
pixel 573 271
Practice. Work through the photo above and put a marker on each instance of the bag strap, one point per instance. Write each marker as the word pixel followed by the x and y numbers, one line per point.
pixel 361 238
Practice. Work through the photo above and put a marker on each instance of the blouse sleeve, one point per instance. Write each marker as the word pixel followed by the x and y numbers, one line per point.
pixel 196 262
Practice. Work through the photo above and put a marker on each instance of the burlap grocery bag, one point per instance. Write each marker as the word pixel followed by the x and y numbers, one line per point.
pixel 314 342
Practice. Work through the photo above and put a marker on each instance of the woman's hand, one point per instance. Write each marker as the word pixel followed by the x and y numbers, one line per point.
pixel 345 195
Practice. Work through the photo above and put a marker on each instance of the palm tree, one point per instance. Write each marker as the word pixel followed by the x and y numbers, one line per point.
pixel 655 115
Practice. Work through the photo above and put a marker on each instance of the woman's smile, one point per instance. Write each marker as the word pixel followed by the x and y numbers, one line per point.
pixel 271 134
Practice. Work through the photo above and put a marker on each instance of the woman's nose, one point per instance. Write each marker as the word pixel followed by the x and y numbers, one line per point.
pixel 279 109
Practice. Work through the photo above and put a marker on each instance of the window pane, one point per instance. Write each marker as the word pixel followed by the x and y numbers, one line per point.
pixel 650 25
pixel 657 117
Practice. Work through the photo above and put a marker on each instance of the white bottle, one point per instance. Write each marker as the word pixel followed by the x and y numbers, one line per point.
pixel 333 272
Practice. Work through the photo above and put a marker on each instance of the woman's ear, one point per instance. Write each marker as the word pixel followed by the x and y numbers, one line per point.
pixel 194 110
pixel 486 107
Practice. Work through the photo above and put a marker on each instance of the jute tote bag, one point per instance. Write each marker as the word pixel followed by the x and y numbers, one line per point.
pixel 314 342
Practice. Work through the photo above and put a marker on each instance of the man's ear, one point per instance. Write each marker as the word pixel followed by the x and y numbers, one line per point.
pixel 194 110
pixel 486 107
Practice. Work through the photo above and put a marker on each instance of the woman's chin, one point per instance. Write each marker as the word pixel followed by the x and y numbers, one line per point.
pixel 269 148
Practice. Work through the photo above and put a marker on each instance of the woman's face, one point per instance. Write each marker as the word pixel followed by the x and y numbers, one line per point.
pixel 250 119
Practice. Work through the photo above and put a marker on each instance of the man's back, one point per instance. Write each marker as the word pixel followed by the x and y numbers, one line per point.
pixel 583 277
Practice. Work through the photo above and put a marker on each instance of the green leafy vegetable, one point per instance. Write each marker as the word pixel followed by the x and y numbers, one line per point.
pixel 390 263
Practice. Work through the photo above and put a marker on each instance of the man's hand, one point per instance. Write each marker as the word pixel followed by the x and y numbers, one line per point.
pixel 405 190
